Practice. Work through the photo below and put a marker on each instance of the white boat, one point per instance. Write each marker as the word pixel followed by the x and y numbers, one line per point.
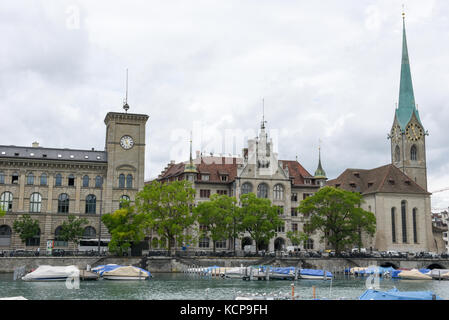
pixel 14 298
pixel 236 272
pixel 118 272
pixel 413 274
pixel 52 273
pixel 312 274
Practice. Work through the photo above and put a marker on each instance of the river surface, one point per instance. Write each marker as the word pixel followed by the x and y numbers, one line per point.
pixel 180 286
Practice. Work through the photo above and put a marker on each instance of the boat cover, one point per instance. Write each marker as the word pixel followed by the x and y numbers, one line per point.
pixel 413 274
pixel 313 272
pixel 51 272
pixel 127 271
pixel 279 270
pixel 372 270
pixel 395 294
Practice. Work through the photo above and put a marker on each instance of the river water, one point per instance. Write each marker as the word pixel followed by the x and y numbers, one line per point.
pixel 180 286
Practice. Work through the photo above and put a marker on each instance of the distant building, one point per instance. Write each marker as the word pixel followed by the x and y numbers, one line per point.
pixel 51 183
pixel 284 182
pixel 397 193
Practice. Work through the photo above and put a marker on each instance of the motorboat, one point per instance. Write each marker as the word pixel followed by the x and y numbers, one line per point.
pixel 119 272
pixel 414 274
pixel 52 273
pixel 395 294
pixel 315 274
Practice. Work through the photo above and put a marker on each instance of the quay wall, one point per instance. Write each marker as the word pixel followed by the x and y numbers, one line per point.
pixel 170 264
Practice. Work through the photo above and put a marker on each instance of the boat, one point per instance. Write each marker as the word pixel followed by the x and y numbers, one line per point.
pixel 236 272
pixel 14 298
pixel 314 274
pixel 439 274
pixel 282 273
pixel 52 273
pixel 413 274
pixel 119 272
pixel 395 294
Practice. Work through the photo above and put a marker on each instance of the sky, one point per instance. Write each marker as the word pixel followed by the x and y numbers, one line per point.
pixel 324 72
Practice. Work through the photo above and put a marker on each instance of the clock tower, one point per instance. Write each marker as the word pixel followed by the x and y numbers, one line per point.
pixel 408 147
pixel 125 147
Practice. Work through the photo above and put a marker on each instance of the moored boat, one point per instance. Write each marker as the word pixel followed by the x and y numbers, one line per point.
pixel 395 294
pixel 119 272
pixel 52 273
pixel 315 274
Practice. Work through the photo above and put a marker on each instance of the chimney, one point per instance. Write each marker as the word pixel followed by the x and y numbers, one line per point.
pixel 35 144
pixel 197 154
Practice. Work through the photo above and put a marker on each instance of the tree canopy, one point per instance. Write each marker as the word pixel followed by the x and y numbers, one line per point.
pixel 338 215
pixel 259 218
pixel 168 210
pixel 72 230
pixel 26 227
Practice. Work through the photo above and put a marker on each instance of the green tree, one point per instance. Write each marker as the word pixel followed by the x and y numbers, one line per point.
pixel 259 218
pixel 167 208
pixel 72 230
pixel 220 216
pixel 2 212
pixel 296 237
pixel 338 215
pixel 125 227
pixel 26 227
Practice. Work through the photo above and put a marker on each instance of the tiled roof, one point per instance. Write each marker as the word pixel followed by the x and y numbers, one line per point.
pixel 52 154
pixel 296 171
pixel 388 179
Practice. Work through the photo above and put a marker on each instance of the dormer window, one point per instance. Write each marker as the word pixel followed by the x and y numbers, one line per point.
pixel 224 178
pixel 205 177
pixel 390 181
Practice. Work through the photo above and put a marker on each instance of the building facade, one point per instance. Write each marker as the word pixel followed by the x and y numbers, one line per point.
pixel 284 182
pixel 49 183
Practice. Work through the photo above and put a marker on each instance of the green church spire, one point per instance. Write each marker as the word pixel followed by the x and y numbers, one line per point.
pixel 191 167
pixel 320 173
pixel 407 106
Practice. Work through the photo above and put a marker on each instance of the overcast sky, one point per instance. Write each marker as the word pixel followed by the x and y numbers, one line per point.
pixel 326 70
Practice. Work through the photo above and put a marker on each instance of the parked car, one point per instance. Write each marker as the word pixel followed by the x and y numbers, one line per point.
pixel 393 254
pixel 376 254
pixel 57 252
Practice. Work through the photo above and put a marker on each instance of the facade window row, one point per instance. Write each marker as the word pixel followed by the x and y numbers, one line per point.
pixel 43 179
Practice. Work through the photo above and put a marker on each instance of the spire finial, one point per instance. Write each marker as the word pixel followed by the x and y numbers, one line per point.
pixel 263 114
pixel 403 11
pixel 125 104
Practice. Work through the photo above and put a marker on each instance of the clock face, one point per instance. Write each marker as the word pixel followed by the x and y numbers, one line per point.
pixel 414 132
pixel 396 134
pixel 126 142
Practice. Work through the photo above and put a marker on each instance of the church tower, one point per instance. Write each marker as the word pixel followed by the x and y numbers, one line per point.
pixel 408 147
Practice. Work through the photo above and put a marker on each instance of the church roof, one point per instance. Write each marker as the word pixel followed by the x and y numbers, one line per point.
pixel 385 179
pixel 407 106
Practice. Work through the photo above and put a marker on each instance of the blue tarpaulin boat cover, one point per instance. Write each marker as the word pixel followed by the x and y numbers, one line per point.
pixel 379 270
pixel 313 272
pixel 395 294
pixel 280 270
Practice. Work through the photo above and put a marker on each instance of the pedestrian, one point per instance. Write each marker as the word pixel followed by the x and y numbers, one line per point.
pixel 38 251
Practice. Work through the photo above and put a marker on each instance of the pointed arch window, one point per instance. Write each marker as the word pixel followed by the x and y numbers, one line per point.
pixel 415 231
pixel 393 225
pixel 247 188
pixel 404 220
pixel 397 154
pixel 414 153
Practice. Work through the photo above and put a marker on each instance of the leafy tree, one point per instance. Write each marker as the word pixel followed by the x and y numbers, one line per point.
pixel 125 227
pixel 337 214
pixel 220 216
pixel 26 227
pixel 167 208
pixel 2 212
pixel 72 230
pixel 259 218
pixel 297 237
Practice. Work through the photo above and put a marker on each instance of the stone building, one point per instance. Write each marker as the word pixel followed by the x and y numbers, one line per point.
pixel 50 183
pixel 397 193
pixel 284 182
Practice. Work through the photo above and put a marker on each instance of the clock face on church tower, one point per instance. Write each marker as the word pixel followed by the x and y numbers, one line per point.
pixel 414 132
pixel 126 142
pixel 396 134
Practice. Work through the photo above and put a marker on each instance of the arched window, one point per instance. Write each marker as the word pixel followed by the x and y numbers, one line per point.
pixel 2 178
pixel 397 154
pixel 278 192
pixel 308 244
pixel 415 231
pixel 86 181
pixel 58 180
pixel 34 241
pixel 204 242
pixel 129 181
pixel 393 225
pixel 123 198
pixel 247 188
pixel 6 201
pixel 63 203
pixel 404 220
pixel 98 182
pixel 35 202
pixel 43 179
pixel 121 181
pixel 89 233
pixel 5 236
pixel 414 153
pixel 262 190
pixel 59 242
pixel 91 204
pixel 30 178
